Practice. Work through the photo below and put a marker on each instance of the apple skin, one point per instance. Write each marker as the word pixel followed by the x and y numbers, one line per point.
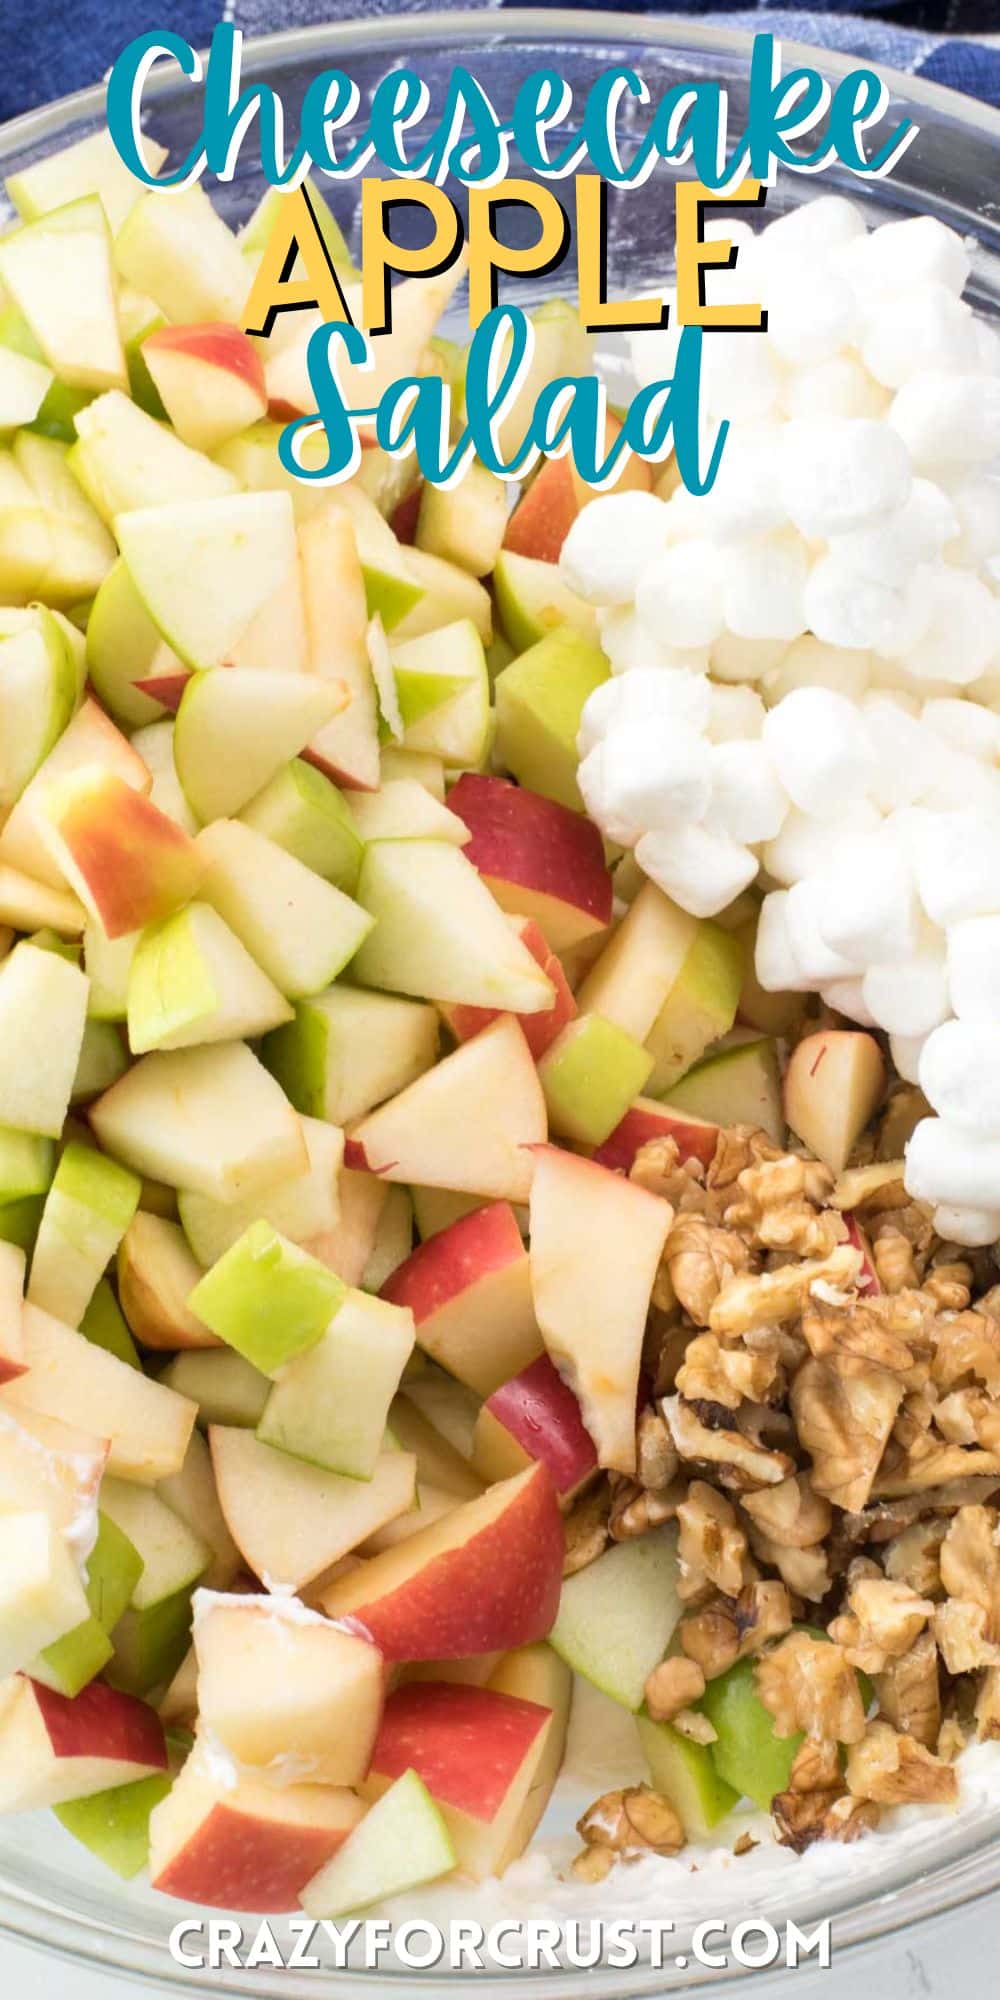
pixel 469 1290
pixel 538 858
pixel 467 1743
pixel 646 1119
pixel 540 1030
pixel 545 514
pixel 868 1280
pixel 539 1418
pixel 216 343
pixel 487 1577
pixel 250 1846
pixel 59 1746
pixel 125 858
pixel 167 689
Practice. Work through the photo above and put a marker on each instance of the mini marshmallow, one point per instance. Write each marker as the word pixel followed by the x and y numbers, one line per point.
pixel 948 420
pixel 810 662
pixel 973 1228
pixel 820 750
pixel 802 847
pixel 869 909
pixel 847 997
pixel 745 499
pixel 837 387
pixel 679 593
pixel 965 726
pixel 906 1051
pixel 962 632
pixel 960 1077
pixel 945 1165
pixel 904 753
pixel 655 772
pixel 909 996
pixel 974 969
pixel 846 607
pixel 764 587
pixel 653 354
pixel 775 964
pixel 921 329
pixel 734 659
pixel 741 376
pixel 645 694
pixel 736 715
pixel 610 543
pixel 700 870
pixel 956 859
pixel 629 643
pixel 919 250
pixel 914 533
pixel 841 473
pixel 811 313
pixel 977 508
pixel 816 962
pixel 747 802
pixel 827 224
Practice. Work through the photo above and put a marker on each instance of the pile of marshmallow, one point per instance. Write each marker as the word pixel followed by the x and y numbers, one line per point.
pixel 806 660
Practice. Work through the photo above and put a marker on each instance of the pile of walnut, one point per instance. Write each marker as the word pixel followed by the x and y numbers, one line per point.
pixel 824 1427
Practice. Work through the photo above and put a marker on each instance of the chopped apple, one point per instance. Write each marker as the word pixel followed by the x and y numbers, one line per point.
pixel 151 1637
pixel 347 1248
pixel 330 1405
pixel 738 1086
pixel 347 1050
pixel 103 1059
pixel 291 1521
pixel 301 810
pixel 203 567
pixel 211 380
pixel 50 1465
pixel 468 1124
pixel 646 1120
pixel 90 739
pixel 41 1596
pixel 60 274
pixel 536 1674
pixel 248 1845
pixel 281 1687
pixel 26 905
pixel 667 980
pixel 484 1577
pixel 104 1325
pixel 53 1747
pixel 192 981
pixel 439 934
pixel 12 1355
pixel 684 1772
pixel 43 1010
pixel 438 1463
pixel 469 1290
pixel 589 1074
pixel 596 1241
pixel 113 1569
pixel 393 1242
pixel 128 863
pixel 191 1494
pixel 302 1206
pixel 174 245
pixel 123 647
pixel 402 1843
pixel 211 1119
pixel 532 600
pixel 834 1083
pixel 69 1378
pixel 87 1210
pixel 124 459
pixel 539 701
pixel 38 693
pixel 700 1006
pixel 464 523
pixel 403 809
pixel 26 1164
pixel 300 929
pixel 107 962
pixel 114 1824
pixel 268 1298
pixel 336 614
pixel 89 166
pixel 617 1616
pixel 226 1388
pixel 540 1030
pixel 156 1275
pixel 539 859
pixel 535 1416
pixel 443 692
pixel 769 1013
pixel 236 728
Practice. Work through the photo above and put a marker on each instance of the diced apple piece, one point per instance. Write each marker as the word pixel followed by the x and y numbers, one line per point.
pixel 151 1637
pixel 104 1325
pixel 72 1380
pixel 537 1674
pixel 468 1124
pixel 539 859
pixel 211 379
pixel 540 1030
pixel 539 701
pixel 12 1355
pixel 300 929
pixel 438 1463
pixel 533 600
pixel 87 1210
pixel 50 1465
pixel 450 1407
pixel 667 980
pixel 59 272
pixel 175 246
pixel 54 1748
pixel 124 460
pixel 43 1010
pixel 301 810
pixel 128 863
pixel 738 1086
pixel 465 523
pixel 38 692
pixel 405 810
pixel 330 1405
pixel 234 729
pixel 439 934
pixel 347 1248
pixel 684 1772
pixel 617 1616
pixel 203 567
pixel 191 1494
pixel 443 692
pixel 748 1754
pixel 113 1569
pixel 646 1120
pixel 700 1006
pixel 26 905
pixel 302 1206
pixel 589 1074
pixel 336 615
pixel 114 1825
pixel 291 1521
pixel 282 1686
pixel 103 1059
pixel 90 166
pixel 90 739
pixel 156 1274
pixel 192 981
pixel 401 1843
pixel 268 1298
pixel 226 1388
pixel 211 1119
pixel 393 1244
pixel 834 1083
pixel 26 1164
pixel 41 1596
pixel 347 1050
pixel 469 1289
pixel 486 1576
pixel 596 1241
pixel 535 1416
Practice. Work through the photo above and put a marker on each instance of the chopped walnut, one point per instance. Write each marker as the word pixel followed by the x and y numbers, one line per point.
pixel 778 1207
pixel 967 1350
pixel 586 1527
pixel 988 1705
pixel 636 1818
pixel 730 1629
pixel 967 1626
pixel 948 1284
pixel 673 1685
pixel 805 1571
pixel 909 1692
pixel 745 1844
pixel 716 1374
pixel 741 1464
pixel 893 1770
pixel 808 1685
pixel 746 1302
pixel 844 1422
pixel 656 1459
pixel 739 1147
pixel 712 1546
pixel 634 1512
pixel 883 1332
pixel 969 1416
pixel 790 1515
pixel 710 1638
pixel 658 1168
pixel 801 1818
pixel 894 1261
pixel 593 1864
pixel 928 1465
pixel 700 1258
pixel 875 1186
pixel 952 1739
pixel 816 1767
pixel 882 1622
pixel 914 1557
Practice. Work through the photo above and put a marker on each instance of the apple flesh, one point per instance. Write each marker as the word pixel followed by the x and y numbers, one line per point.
pixel 589 1074
pixel 211 1119
pixel 646 1120
pixel 210 379
pixel 191 1495
pixel 27 905
pixel 336 614
pixel 114 1824
pixel 156 1276
pixel 87 1210
pixel 191 981
pixel 43 1008
pixel 469 1290
pixel 13 1361
pixel 402 1843
pixel 41 1596
pixel 617 1617
pixel 540 699
pixel 104 1326
pixel 485 1576
pixel 285 1690
pixel 348 1050
pixel 235 729
pixel 299 929
pixel 348 1247
pixel 404 809
pixel 114 1567
pixel 174 245
pixel 439 1464
pixel 126 861
pixel 330 1405
pixel 685 1773
pixel 67 1377
pixel 89 166
pixel 301 811
pixel 291 1521
pixel 53 1747
pixel 52 1466
pixel 535 1417
pixel 124 459
pixel 268 1299
pixel 539 859
pixel 89 740
pixel 59 271
pixel 38 691
pixel 151 1636
pixel 532 600
pixel 301 1206
pixel 439 934
pixel 226 1388
pixel 540 1030
pixel 465 523
pixel 738 1086
pixel 834 1083
pixel 596 1241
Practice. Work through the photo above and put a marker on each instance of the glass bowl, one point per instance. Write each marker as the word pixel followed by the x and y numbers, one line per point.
pixel 52 1893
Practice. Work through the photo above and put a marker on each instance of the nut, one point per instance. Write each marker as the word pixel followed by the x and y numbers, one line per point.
pixel 673 1685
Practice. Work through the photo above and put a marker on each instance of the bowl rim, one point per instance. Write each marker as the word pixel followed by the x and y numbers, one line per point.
pixel 72 1936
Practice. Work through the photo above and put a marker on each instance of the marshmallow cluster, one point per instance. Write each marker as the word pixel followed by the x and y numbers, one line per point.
pixel 806 660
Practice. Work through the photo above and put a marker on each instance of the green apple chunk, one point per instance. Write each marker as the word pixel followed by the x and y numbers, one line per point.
pixel 347 1050
pixel 89 166
pixel 227 1389
pixel 107 963
pixel 103 1059
pixel 124 459
pixel 124 646
pixel 87 1210
pixel 419 765
pixel 590 1075
pixel 301 1206
pixel 443 690
pixel 685 1773
pixel 465 523
pixel 234 730
pixel 257 229
pixel 175 245
pixel 38 692
pixel 19 1221
pixel 616 1618
pixel 24 385
pixel 301 810
pixel 58 410
pixel 26 1165
pixel 739 1086
pixel 43 1010
pixel 154 743
pixel 268 1299
pixel 103 1324
pixel 114 1824
pixel 210 1118
pixel 300 929
pixel 539 702
pixel 113 1569
pixel 404 809
pixel 746 1753
pixel 439 934
pixel 41 1596
pixel 60 274
pixel 204 567
pixel 191 980
pixel 330 1406
pixel 700 1006
pixel 401 1843
pixel 532 600
pixel 150 1637
pixel 449 596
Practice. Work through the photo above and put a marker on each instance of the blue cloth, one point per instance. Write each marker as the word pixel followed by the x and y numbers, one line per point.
pixel 48 50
